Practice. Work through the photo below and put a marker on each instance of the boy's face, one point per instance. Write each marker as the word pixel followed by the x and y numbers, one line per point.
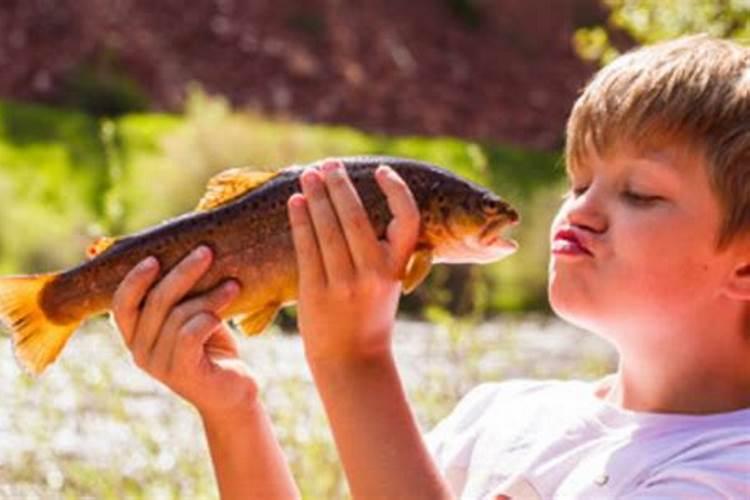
pixel 634 242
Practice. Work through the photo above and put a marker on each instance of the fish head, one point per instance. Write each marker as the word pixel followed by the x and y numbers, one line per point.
pixel 466 226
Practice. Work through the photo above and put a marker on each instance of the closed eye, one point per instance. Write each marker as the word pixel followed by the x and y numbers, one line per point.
pixel 641 199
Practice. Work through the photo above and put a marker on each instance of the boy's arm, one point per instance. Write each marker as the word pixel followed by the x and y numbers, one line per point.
pixel 349 291
pixel 375 431
pixel 248 461
pixel 184 345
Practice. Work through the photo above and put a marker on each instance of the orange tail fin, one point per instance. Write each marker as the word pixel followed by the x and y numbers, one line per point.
pixel 37 341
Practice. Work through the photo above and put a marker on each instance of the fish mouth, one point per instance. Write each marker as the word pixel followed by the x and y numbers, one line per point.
pixel 491 235
pixel 488 245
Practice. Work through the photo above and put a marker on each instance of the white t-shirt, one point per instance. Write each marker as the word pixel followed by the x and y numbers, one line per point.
pixel 557 440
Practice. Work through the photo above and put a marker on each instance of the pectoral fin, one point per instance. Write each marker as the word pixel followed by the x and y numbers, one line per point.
pixel 417 269
pixel 230 184
pixel 258 320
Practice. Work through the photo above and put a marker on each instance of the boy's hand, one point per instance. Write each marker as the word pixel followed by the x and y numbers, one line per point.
pixel 184 344
pixel 349 281
pixel 349 285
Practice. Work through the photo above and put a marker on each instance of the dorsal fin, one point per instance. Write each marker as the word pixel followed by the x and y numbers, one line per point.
pixel 99 245
pixel 230 184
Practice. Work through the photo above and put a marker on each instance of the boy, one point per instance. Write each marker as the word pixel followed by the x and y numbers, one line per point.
pixel 650 249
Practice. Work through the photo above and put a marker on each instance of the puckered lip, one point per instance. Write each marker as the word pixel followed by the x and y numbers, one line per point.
pixel 575 236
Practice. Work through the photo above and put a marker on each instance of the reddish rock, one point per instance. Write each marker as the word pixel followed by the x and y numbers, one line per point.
pixel 501 70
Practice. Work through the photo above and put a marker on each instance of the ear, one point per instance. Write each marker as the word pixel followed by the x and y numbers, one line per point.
pixel 738 285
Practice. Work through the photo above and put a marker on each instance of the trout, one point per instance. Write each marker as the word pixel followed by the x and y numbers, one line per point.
pixel 243 219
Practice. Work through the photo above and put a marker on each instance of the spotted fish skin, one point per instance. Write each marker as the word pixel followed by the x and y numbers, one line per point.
pixel 251 241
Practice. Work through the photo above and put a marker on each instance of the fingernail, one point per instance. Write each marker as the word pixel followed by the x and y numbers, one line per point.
pixel 391 173
pixel 297 200
pixel 387 171
pixel 201 252
pixel 310 177
pixel 231 287
pixel 331 167
pixel 148 264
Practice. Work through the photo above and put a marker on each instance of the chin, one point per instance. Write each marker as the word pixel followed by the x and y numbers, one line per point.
pixel 574 306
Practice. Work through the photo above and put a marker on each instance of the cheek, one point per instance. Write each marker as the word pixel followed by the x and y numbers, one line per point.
pixel 668 259
pixel 646 266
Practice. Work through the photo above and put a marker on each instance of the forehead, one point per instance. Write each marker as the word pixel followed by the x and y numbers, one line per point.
pixel 667 158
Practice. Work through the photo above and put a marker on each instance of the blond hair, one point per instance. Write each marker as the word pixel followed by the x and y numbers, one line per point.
pixel 693 91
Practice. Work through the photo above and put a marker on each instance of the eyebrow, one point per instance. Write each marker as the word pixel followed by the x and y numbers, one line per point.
pixel 662 164
pixel 659 156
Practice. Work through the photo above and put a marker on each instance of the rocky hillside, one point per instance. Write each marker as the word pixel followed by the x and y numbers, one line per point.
pixel 484 69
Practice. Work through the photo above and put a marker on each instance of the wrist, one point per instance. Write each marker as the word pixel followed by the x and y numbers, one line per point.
pixel 352 369
pixel 348 359
pixel 349 348
pixel 240 413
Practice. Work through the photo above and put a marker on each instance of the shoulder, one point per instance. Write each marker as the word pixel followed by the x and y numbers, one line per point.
pixel 484 405
pixel 489 396
pixel 701 457
pixel 723 472
pixel 718 458
pixel 493 417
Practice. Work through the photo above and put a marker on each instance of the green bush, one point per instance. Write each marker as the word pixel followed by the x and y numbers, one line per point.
pixel 52 172
pixel 651 21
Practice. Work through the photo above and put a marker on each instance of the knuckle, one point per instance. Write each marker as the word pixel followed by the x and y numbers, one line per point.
pixel 180 313
pixel 159 372
pixel 330 232
pixel 359 218
pixel 197 324
pixel 185 270
pixel 345 289
pixel 140 359
pixel 117 297
pixel 120 299
pixel 337 178
pixel 307 254
pixel 159 299
pixel 297 222
pixel 399 183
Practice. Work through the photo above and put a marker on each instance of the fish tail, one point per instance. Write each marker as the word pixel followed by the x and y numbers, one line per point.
pixel 37 340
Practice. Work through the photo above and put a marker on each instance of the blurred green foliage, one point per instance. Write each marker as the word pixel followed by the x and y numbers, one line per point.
pixel 650 21
pixel 67 177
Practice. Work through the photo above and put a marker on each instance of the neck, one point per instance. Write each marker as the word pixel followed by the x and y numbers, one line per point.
pixel 697 369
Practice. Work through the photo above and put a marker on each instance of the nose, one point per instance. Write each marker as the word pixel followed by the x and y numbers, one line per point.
pixel 586 210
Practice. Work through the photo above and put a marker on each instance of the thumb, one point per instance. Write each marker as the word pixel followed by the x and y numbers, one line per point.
pixel 403 230
pixel 193 336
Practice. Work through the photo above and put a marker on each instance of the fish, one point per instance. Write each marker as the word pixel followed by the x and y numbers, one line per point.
pixel 243 218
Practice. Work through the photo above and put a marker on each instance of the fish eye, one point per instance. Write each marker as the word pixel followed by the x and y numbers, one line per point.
pixel 491 206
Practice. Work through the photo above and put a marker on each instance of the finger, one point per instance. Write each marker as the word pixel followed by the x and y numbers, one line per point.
pixel 403 230
pixel 309 261
pixel 214 301
pixel 351 213
pixel 333 247
pixel 127 299
pixel 168 292
pixel 191 338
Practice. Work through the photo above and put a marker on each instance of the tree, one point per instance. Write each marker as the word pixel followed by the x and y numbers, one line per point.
pixel 650 21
